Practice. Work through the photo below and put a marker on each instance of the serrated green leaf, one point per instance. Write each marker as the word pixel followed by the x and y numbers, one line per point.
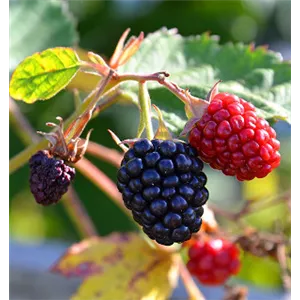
pixel 258 75
pixel 43 74
pixel 38 25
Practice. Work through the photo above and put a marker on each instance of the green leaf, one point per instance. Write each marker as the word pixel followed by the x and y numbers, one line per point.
pixel 258 75
pixel 44 74
pixel 38 25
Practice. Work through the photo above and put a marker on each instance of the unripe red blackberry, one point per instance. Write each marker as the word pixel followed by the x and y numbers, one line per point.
pixel 162 183
pixel 213 261
pixel 49 177
pixel 229 136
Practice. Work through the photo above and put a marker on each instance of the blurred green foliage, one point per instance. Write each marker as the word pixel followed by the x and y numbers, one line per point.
pixel 97 26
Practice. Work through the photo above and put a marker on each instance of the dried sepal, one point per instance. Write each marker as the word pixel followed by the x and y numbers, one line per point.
pixel 118 141
pixel 259 244
pixel 123 53
pixel 196 107
pixel 71 149
pixel 162 132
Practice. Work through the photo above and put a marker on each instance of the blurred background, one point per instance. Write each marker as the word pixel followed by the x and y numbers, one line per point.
pixel 97 26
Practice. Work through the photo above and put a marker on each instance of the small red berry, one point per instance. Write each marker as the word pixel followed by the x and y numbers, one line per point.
pixel 230 137
pixel 212 262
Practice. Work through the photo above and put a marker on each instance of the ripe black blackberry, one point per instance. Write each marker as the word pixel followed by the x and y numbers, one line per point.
pixel 162 183
pixel 49 177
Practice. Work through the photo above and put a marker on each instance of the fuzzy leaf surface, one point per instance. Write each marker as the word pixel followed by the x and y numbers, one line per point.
pixel 258 75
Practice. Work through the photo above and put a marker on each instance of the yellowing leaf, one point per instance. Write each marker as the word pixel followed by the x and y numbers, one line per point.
pixel 162 131
pixel 43 74
pixel 120 266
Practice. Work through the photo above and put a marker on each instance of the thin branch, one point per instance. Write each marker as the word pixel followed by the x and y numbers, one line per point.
pixel 251 207
pixel 159 77
pixel 78 214
pixel 190 285
pixel 102 181
pixel 109 155
pixel 281 256
pixel 24 129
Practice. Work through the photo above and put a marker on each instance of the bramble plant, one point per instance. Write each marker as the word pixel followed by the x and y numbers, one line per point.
pixel 160 183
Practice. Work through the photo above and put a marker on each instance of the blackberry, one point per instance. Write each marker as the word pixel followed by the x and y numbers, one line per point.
pixel 162 183
pixel 49 177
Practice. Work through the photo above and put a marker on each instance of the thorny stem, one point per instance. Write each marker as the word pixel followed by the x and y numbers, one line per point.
pixel 145 104
pixel 72 202
pixel 78 214
pixel 190 285
pixel 251 207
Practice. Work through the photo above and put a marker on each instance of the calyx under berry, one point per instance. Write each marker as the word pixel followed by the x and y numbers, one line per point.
pixel 66 144
pixel 196 107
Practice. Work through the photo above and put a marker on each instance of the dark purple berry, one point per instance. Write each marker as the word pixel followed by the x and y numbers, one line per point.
pixel 170 181
pixel 162 183
pixel 142 147
pixel 178 204
pixel 159 207
pixel 183 163
pixel 151 159
pixel 50 177
pixel 134 167
pixel 168 193
pixel 167 148
pixel 165 167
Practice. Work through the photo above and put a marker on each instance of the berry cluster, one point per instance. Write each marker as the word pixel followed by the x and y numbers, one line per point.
pixel 232 138
pixel 163 184
pixel 49 177
pixel 212 262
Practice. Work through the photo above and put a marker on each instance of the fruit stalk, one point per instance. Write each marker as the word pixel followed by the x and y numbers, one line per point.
pixel 189 283
pixel 159 77
pixel 145 104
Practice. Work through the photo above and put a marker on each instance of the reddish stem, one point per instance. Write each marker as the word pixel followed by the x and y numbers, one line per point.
pixel 106 154
pixel 78 214
pixel 190 285
pixel 102 181
pixel 159 77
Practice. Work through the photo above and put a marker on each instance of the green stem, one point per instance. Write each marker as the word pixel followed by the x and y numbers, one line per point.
pixel 145 103
pixel 77 100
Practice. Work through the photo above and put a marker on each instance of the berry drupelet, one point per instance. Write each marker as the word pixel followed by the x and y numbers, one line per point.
pixel 212 262
pixel 162 183
pixel 49 177
pixel 230 137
